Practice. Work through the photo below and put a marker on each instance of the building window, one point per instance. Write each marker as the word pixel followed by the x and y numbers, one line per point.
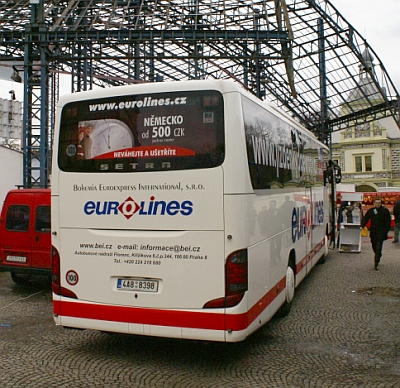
pixel 358 163
pixel 368 163
pixel 363 163
pixel 384 157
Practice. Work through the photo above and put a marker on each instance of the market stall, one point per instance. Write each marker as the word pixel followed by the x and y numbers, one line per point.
pixel 349 218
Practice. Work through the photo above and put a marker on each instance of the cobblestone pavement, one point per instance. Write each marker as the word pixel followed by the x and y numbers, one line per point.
pixel 343 331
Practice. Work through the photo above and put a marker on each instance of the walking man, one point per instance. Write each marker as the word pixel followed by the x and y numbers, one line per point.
pixel 396 213
pixel 379 229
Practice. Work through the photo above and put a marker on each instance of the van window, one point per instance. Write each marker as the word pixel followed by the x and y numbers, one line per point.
pixel 42 219
pixel 17 218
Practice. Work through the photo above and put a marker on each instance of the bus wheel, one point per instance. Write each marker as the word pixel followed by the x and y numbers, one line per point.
pixel 19 279
pixel 289 292
pixel 322 259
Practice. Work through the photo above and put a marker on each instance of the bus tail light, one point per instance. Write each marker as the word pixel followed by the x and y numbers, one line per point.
pixel 55 271
pixel 56 278
pixel 236 281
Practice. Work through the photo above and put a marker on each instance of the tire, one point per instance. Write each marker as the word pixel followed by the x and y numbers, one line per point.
pixel 322 259
pixel 20 279
pixel 289 292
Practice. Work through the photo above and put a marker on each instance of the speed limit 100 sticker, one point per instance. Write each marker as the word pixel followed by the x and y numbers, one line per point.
pixel 72 278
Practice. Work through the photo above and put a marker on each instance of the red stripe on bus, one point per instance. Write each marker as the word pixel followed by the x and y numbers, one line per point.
pixel 146 316
pixel 174 318
pixel 266 300
pixel 306 259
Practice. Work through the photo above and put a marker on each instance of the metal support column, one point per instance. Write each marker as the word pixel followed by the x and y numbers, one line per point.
pixel 324 136
pixel 35 112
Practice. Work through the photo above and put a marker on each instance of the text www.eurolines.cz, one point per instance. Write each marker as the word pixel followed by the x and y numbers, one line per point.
pixel 145 102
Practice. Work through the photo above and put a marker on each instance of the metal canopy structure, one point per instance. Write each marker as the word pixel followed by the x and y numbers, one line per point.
pixel 302 54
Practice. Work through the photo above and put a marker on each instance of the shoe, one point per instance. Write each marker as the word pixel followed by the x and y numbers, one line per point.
pixel 376 268
pixel 395 241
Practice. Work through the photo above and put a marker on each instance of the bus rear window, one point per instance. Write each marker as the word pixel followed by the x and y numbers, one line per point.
pixel 152 132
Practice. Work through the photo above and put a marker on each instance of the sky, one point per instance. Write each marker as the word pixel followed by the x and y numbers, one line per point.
pixel 377 21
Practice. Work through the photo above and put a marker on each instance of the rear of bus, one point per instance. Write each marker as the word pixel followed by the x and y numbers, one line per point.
pixel 140 243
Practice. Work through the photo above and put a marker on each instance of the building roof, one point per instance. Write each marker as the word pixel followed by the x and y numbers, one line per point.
pixel 367 92
pixel 388 123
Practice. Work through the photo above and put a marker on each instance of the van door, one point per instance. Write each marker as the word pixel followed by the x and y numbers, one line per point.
pixel 16 242
pixel 41 233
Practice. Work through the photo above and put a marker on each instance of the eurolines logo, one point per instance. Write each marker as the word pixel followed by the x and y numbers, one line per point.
pixel 144 208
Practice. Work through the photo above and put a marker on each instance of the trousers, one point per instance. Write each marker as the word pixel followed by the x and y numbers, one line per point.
pixel 377 244
pixel 396 230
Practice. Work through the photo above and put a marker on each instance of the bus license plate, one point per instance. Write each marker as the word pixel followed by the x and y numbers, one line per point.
pixel 143 285
pixel 16 259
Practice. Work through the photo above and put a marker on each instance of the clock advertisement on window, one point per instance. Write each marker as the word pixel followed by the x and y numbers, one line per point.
pixel 169 131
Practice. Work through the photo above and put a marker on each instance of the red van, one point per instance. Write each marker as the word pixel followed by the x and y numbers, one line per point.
pixel 25 241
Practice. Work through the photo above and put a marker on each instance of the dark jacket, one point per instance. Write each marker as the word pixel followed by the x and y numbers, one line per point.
pixel 396 211
pixel 380 222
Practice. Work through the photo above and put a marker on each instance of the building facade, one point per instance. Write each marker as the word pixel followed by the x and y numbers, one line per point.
pixel 369 152
pixel 10 122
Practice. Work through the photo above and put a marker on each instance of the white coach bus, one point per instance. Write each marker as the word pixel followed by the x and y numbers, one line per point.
pixel 185 209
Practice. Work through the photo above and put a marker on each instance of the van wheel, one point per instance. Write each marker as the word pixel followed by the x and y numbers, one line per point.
pixel 289 293
pixel 20 279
